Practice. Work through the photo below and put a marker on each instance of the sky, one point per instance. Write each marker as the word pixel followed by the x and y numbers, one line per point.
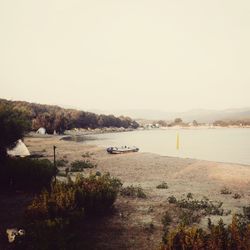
pixel 171 55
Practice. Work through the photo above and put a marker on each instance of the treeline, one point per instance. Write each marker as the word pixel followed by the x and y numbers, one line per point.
pixel 54 118
pixel 225 123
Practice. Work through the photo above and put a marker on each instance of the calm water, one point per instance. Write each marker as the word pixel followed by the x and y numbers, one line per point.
pixel 224 145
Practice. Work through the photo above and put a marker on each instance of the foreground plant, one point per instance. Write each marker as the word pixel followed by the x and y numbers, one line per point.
pixel 216 237
pixel 208 207
pixel 93 194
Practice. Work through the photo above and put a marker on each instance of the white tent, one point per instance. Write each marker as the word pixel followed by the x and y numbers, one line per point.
pixel 19 150
pixel 41 131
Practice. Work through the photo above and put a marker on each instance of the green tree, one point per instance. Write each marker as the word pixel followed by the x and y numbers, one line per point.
pixel 178 121
pixel 13 125
pixel 195 123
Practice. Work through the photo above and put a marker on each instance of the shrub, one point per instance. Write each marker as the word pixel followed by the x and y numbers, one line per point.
pixel 133 191
pixel 246 212
pixel 61 163
pixel 225 191
pixel 236 196
pixel 234 236
pixel 79 166
pixel 87 155
pixel 163 185
pixel 57 203
pixel 188 217
pixel 95 194
pixel 166 220
pixel 26 174
pixel 172 199
pixel 208 207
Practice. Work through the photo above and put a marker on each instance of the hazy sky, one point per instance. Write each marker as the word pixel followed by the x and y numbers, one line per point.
pixel 170 55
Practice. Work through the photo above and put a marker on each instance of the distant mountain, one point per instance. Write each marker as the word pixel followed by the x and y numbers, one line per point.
pixel 200 115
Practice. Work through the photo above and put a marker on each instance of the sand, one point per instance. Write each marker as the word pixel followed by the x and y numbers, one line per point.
pixel 201 178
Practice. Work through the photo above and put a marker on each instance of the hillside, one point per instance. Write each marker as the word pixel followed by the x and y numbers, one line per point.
pixel 55 118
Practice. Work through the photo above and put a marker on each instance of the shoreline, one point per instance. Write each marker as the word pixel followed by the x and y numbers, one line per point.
pixel 147 170
pixel 74 150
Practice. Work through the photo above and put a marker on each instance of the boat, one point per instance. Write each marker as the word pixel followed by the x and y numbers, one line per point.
pixel 121 150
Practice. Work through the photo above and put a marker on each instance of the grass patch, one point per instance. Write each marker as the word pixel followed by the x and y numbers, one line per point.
pixel 133 191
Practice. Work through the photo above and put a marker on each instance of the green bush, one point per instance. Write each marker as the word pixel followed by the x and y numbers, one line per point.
pixel 79 166
pixel 133 191
pixel 97 193
pixel 225 190
pixel 26 174
pixel 172 199
pixel 94 194
pixel 208 207
pixel 163 185
pixel 217 237
pixel 87 154
pixel 246 212
pixel 236 196
pixel 61 163
pixel 188 217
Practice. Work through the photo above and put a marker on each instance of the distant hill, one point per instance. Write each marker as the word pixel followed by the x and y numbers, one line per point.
pixel 201 115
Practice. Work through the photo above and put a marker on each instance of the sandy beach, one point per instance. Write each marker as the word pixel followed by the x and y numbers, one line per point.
pixel 201 178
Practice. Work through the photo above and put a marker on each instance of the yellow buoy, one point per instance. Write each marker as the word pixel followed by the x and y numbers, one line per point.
pixel 177 141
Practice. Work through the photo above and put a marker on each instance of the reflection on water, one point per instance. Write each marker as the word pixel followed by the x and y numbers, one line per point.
pixel 225 145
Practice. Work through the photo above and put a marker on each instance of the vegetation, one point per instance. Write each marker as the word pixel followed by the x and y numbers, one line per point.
pixel 225 190
pixel 178 121
pixel 204 205
pixel 195 123
pixel 54 118
pixel 13 125
pixel 94 194
pixel 26 174
pixel 79 166
pixel 236 196
pixel 225 123
pixel 87 155
pixel 163 185
pixel 162 123
pixel 231 237
pixel 133 191
pixel 61 163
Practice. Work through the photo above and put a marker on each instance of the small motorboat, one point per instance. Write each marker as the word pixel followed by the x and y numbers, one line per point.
pixel 121 150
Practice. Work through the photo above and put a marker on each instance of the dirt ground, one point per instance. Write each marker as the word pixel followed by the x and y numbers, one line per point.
pixel 136 223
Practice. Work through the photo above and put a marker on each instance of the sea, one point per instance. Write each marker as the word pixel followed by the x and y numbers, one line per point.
pixel 230 145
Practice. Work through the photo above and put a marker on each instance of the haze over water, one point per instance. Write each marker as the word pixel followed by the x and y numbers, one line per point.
pixel 222 145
